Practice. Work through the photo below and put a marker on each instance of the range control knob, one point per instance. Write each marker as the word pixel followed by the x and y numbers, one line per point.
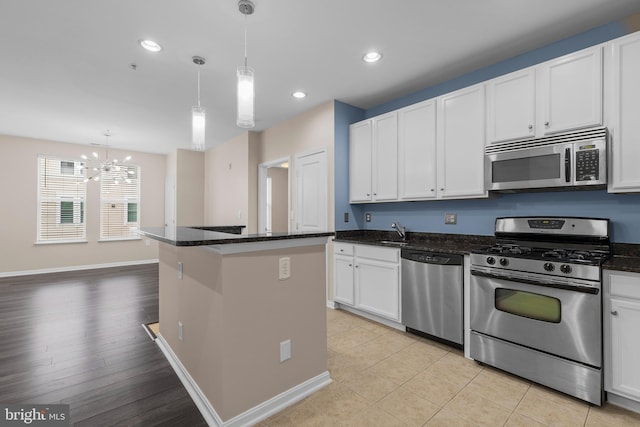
pixel 549 267
pixel 491 260
pixel 566 269
pixel 504 262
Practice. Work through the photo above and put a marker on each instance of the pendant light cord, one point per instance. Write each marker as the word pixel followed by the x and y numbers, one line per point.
pixel 245 41
pixel 198 85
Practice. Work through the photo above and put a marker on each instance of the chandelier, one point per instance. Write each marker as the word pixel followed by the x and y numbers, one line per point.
pixel 113 169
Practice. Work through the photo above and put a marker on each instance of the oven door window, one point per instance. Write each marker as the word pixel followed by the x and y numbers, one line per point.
pixel 528 304
pixel 527 168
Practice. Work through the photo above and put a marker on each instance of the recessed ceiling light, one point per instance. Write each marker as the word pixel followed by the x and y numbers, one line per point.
pixel 150 45
pixel 299 94
pixel 372 57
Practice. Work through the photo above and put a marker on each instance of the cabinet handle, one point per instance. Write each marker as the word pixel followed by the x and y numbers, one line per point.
pixel 375 194
pixel 368 194
pixel 350 265
pixel 546 124
pixel 530 127
pixel 433 189
pixel 357 266
pixel 614 312
pixel 442 189
pixel 341 250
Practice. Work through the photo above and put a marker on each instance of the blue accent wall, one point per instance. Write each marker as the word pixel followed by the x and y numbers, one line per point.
pixel 477 216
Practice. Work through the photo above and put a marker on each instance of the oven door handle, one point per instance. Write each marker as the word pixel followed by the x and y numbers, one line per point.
pixel 530 281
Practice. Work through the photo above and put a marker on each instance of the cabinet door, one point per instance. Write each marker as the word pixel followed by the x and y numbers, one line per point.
pixel 461 124
pixel 417 151
pixel 511 102
pixel 623 112
pixel 571 91
pixel 385 155
pixel 343 279
pixel 624 369
pixel 360 156
pixel 378 288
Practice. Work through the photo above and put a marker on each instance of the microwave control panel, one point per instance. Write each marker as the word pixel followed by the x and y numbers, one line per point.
pixel 587 163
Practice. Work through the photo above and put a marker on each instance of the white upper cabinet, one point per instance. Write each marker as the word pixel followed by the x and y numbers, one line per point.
pixel 417 151
pixel 385 157
pixel 623 112
pixel 571 91
pixel 460 143
pixel 511 101
pixel 557 96
pixel 360 158
pixel 373 159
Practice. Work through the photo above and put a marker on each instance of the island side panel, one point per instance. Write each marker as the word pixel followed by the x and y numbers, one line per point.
pixel 235 312
pixel 260 312
pixel 196 301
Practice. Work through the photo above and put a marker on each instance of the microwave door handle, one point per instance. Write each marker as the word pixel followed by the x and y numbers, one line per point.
pixel 567 164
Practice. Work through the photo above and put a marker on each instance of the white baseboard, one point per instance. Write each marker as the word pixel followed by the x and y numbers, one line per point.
pixel 77 268
pixel 332 304
pixel 252 416
pixel 387 322
pixel 623 402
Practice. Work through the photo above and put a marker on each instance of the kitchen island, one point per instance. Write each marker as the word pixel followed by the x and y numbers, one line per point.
pixel 243 318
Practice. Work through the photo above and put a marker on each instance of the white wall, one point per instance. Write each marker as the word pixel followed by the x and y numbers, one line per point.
pixel 18 210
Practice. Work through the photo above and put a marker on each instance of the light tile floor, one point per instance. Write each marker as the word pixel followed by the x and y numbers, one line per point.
pixel 384 377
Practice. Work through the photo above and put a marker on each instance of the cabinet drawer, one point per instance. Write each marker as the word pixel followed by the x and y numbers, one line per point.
pixel 378 253
pixel 342 249
pixel 624 285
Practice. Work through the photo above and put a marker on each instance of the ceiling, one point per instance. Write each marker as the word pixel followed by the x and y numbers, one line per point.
pixel 66 66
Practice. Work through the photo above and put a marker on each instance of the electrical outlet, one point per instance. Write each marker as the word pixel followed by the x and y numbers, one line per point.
pixel 180 331
pixel 367 217
pixel 346 217
pixel 450 218
pixel 284 268
pixel 285 350
pixel 180 270
pixel 148 242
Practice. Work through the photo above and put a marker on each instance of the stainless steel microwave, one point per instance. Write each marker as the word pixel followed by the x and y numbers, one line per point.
pixel 576 159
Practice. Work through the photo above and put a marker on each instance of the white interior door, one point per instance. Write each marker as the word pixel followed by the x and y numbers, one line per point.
pixel 311 191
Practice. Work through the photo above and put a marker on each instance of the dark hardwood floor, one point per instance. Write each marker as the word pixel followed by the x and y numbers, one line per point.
pixel 76 338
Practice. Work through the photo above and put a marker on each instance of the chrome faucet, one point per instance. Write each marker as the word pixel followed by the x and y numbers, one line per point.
pixel 402 231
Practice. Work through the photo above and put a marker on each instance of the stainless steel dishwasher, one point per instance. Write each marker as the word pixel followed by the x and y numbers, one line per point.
pixel 432 294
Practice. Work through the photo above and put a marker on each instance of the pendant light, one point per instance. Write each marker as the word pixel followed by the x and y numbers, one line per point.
pixel 198 115
pixel 246 91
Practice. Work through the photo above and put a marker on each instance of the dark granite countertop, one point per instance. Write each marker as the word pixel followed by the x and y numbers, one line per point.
pixel 204 235
pixel 626 256
pixel 460 244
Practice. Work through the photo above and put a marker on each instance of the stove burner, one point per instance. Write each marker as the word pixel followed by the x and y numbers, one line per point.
pixel 509 249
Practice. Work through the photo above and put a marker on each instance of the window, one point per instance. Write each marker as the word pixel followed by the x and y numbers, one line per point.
pixel 119 203
pixel 61 197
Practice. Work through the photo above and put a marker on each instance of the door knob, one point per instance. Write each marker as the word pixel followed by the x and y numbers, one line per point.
pixel 530 127
pixel 614 312
pixel 546 124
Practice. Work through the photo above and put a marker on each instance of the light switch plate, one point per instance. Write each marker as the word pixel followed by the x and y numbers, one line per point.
pixel 450 218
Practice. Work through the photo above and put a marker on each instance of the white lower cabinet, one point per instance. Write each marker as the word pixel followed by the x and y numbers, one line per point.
pixel 367 277
pixel 621 344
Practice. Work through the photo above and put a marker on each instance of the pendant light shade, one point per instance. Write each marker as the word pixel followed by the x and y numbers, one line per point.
pixel 198 119
pixel 246 90
pixel 197 128
pixel 246 98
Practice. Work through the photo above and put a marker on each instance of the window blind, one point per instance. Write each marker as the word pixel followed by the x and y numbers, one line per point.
pixel 120 202
pixel 61 200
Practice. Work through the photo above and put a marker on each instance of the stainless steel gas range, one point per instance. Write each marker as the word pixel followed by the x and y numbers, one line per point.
pixel 536 302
